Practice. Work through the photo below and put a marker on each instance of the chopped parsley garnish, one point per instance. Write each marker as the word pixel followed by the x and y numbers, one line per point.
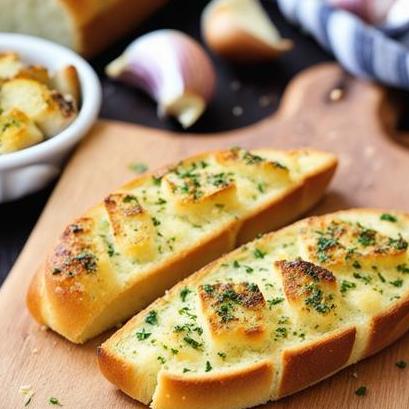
pixel 324 243
pixel 186 311
pixel 184 292
pixel 382 278
pixel 54 401
pixel 281 332
pixel 398 244
pixel 193 343
pixel 208 289
pixel 316 299
pixel 138 167
pixel 222 355
pixel 403 268
pixel 259 253
pixel 361 391
pixel 363 278
pixel 155 221
pixel 367 237
pixel 186 370
pixel 152 318
pixel 208 366
pixel 388 218
pixel 397 283
pixel 356 264
pixel 56 271
pixel 401 364
pixel 346 285
pixel 236 264
pixel 130 198
pixel 156 180
pixel 275 301
pixel 142 335
pixel 161 359
pixel 160 201
pixel 261 187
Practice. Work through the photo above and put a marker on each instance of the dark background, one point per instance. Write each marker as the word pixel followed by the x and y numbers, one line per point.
pixel 122 103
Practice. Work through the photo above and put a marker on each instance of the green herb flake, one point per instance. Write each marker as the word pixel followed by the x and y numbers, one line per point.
pixel 54 401
pixel 222 355
pixel 398 244
pixel 185 370
pixel 387 217
pixel 208 367
pixel 347 285
pixel 161 359
pixel 138 167
pixel 356 264
pixel 193 343
pixel 381 277
pixel 397 283
pixel 401 364
pixel 152 318
pixel 259 253
pixel 361 391
pixel 275 301
pixel 142 335
pixel 403 268
pixel 184 292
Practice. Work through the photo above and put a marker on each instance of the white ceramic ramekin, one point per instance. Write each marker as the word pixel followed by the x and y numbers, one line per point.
pixel 30 169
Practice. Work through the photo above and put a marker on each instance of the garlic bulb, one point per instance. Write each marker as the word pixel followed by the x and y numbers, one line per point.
pixel 373 11
pixel 241 31
pixel 173 69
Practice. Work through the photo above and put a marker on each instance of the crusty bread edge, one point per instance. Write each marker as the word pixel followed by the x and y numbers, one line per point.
pixel 385 328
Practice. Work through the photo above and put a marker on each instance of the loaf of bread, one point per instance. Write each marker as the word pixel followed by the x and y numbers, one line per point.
pixel 86 26
pixel 156 230
pixel 270 318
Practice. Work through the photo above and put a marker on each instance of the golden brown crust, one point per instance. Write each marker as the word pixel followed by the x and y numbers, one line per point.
pixel 307 364
pixel 100 24
pixel 386 327
pixel 243 387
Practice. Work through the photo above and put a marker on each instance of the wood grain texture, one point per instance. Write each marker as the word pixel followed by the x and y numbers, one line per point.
pixel 373 171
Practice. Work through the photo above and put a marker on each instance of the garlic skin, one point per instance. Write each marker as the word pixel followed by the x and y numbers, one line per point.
pixel 372 11
pixel 241 31
pixel 173 69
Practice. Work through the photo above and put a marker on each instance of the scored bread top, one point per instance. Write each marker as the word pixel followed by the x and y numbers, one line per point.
pixel 304 301
pixel 131 240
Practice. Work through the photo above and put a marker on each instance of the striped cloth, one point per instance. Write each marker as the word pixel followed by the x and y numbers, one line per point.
pixel 377 53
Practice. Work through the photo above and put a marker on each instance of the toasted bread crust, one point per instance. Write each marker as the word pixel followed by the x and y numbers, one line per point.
pixel 99 25
pixel 246 387
pixel 308 364
pixel 299 365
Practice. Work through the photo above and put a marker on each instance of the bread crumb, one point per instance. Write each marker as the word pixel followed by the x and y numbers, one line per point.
pixel 235 85
pixel 336 94
pixel 43 328
pixel 265 100
pixel 27 392
pixel 355 374
pixel 237 111
pixel 34 351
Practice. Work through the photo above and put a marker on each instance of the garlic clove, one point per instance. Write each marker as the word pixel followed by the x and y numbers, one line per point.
pixel 241 31
pixel 173 69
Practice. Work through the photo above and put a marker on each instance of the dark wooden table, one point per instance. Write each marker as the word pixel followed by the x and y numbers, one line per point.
pixel 260 88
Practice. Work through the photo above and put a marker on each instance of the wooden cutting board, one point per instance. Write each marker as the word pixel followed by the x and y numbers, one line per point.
pixel 355 122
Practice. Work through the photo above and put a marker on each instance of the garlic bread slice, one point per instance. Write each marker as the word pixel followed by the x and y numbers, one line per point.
pixel 161 227
pixel 274 316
